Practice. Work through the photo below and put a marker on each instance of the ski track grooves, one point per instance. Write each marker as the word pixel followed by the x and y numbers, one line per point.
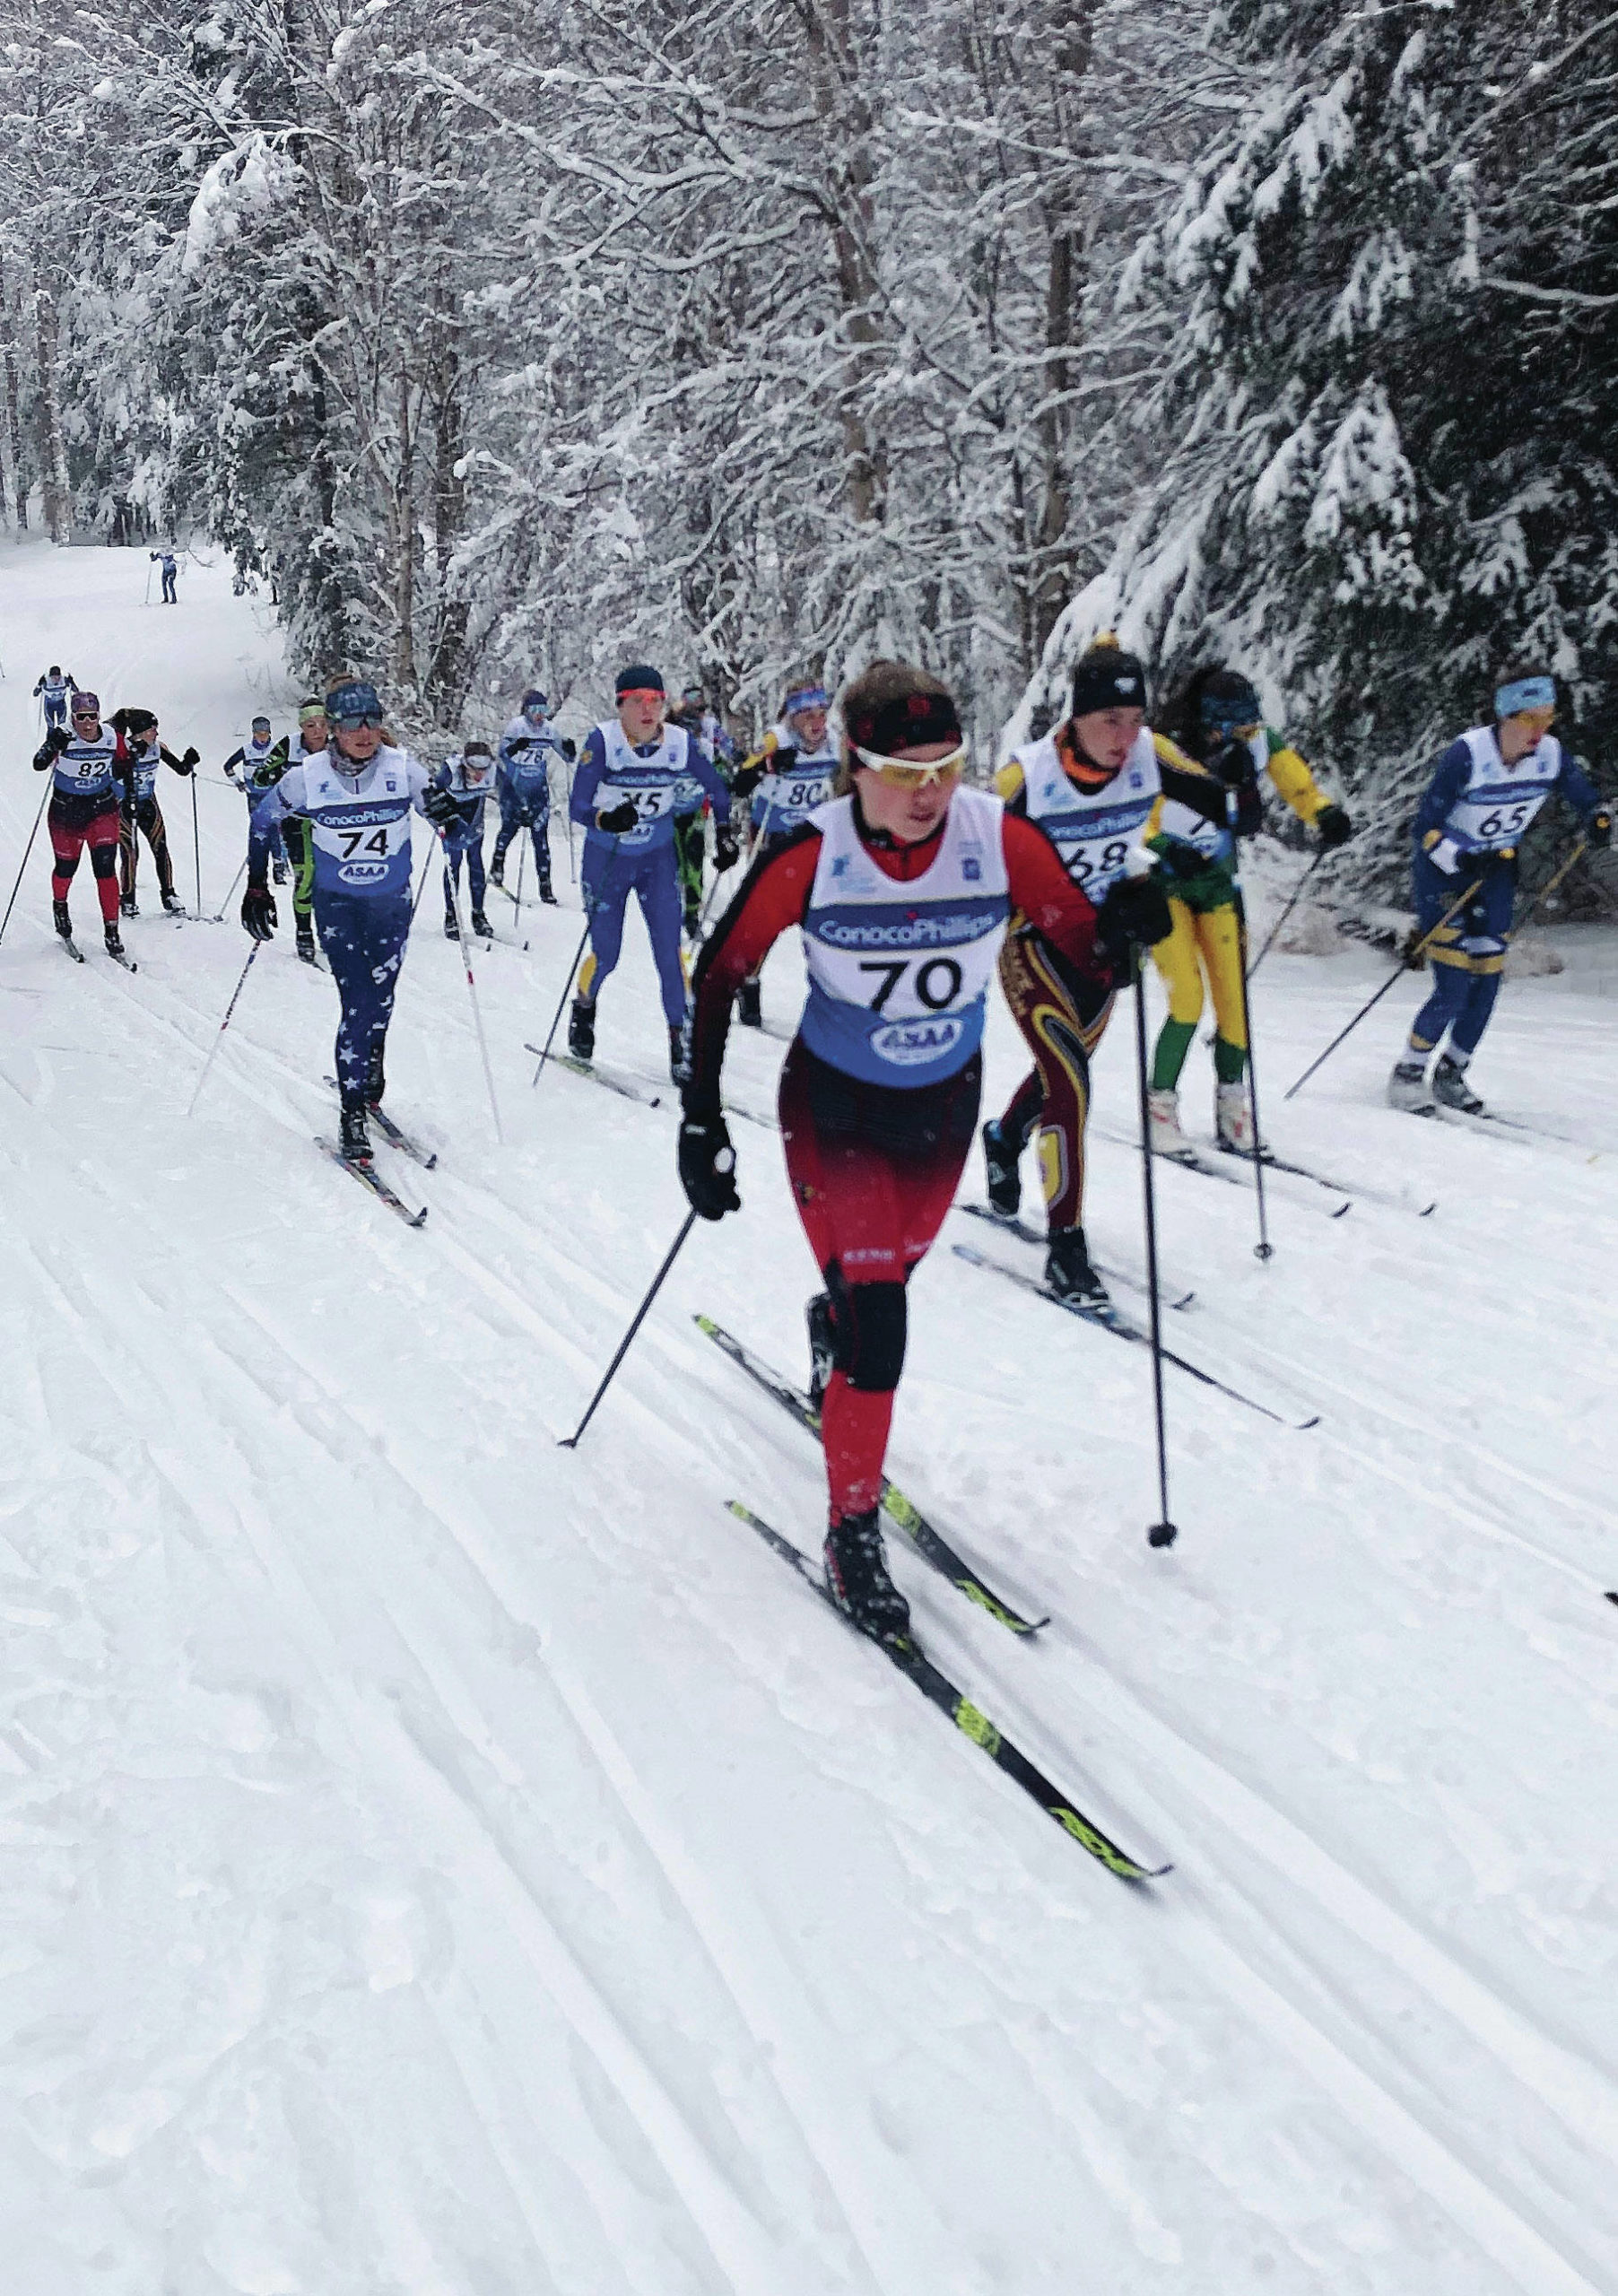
pixel 389 1751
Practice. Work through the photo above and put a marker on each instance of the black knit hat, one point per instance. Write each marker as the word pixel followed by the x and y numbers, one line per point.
pixel 639 677
pixel 1105 677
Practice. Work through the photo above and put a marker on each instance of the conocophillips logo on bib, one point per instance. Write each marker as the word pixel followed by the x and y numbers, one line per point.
pixel 363 873
pixel 909 1043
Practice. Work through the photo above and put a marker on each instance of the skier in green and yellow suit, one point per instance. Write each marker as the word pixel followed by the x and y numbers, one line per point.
pixel 1221 727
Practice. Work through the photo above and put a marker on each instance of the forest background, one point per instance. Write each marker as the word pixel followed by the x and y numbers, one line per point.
pixel 502 341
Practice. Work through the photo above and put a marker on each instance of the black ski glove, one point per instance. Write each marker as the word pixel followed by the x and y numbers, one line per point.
pixel 1598 829
pixel 1334 827
pixel 439 807
pixel 1183 860
pixel 258 912
pixel 191 761
pixel 620 819
pixel 707 1167
pixel 1136 909
pixel 570 750
pixel 58 739
pixel 523 741
pixel 727 851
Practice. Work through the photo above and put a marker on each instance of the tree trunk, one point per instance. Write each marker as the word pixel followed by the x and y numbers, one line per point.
pixel 446 672
pixel 14 412
pixel 846 128
pixel 403 538
pixel 58 498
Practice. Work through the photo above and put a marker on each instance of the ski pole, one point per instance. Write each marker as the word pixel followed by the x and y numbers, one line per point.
pixel 454 891
pixel 1551 884
pixel 1404 966
pixel 235 881
pixel 556 1016
pixel 1263 1248
pixel 571 1442
pixel 223 1025
pixel 1164 1531
pixel 27 849
pixel 1286 912
pixel 522 856
pixel 196 843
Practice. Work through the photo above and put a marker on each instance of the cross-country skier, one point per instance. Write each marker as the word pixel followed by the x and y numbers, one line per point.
pixel 141 812
pixel 54 687
pixel 87 767
pixel 903 886
pixel 1095 786
pixel 691 807
pixel 356 798
pixel 523 784
pixel 1486 789
pixel 787 777
pixel 311 741
pixel 170 566
pixel 469 780
pixel 624 796
pixel 1220 723
pixel 261 761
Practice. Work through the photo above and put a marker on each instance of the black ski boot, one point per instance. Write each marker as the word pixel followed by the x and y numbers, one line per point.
pixel 126 907
pixel 61 919
pixel 822 1346
pixel 115 946
pixel 451 930
pixel 857 1580
pixel 679 1055
pixel 354 1140
pixel 750 1004
pixel 306 939
pixel 278 872
pixel 172 904
pixel 581 1030
pixel 497 870
pixel 479 924
pixel 546 895
pixel 1450 1088
pixel 1069 1275
pixel 1005 1180
pixel 375 1080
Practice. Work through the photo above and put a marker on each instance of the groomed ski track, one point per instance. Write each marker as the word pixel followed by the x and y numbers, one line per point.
pixel 438 1862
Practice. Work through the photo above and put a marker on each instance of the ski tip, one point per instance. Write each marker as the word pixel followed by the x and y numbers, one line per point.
pixel 1342 1210
pixel 1428 1209
pixel 1302 1426
pixel 1611 1596
pixel 707 1324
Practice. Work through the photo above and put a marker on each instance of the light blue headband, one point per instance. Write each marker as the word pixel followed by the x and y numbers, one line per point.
pixel 1525 694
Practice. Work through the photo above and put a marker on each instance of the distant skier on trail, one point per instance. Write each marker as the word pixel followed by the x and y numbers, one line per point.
pixel 142 813
pixel 469 780
pixel 695 717
pixel 55 685
pixel 785 777
pixel 903 886
pixel 312 739
pixel 1096 785
pixel 1485 791
pixel 624 796
pixel 1219 724
pixel 357 797
pixel 522 785
pixel 170 566
pixel 261 761
pixel 87 766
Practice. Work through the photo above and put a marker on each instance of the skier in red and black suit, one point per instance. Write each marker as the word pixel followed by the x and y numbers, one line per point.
pixel 88 768
pixel 902 885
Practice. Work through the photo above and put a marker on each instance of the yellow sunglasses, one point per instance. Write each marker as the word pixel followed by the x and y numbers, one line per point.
pixel 898 774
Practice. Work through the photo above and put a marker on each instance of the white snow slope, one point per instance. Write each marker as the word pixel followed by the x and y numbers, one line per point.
pixel 441 1862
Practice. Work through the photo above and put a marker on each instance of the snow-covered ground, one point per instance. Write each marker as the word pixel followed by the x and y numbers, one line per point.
pixel 439 1862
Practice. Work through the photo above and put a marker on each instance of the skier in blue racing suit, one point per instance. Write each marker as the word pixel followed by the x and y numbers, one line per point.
pixel 624 793
pixel 357 796
pixel 523 784
pixel 1485 790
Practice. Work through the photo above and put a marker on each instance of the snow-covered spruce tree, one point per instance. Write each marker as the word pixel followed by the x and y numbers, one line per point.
pixel 1386 430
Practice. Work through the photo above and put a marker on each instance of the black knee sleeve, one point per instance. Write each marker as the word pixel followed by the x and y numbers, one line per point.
pixel 104 859
pixel 868 1320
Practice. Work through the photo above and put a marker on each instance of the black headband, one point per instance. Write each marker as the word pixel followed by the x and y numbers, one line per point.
pixel 907 721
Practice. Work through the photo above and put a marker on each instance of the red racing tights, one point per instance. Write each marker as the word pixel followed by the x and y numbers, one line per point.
pixel 874 1170
pixel 70 830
